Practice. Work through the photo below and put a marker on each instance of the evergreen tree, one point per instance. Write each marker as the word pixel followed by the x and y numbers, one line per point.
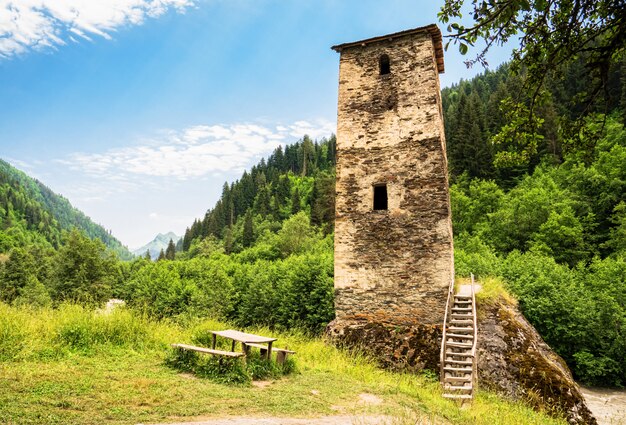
pixel 170 252
pixel 622 102
pixel 248 230
pixel 323 201
pixel 34 293
pixel 161 255
pixel 295 202
pixel 228 240
pixel 18 271
pixel 147 255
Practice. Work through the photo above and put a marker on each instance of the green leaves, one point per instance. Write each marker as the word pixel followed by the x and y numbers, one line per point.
pixel 519 137
pixel 552 35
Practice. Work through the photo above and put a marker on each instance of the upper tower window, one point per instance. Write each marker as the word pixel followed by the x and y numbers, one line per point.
pixel 383 62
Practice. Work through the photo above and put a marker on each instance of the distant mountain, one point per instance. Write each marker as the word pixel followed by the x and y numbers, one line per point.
pixel 159 243
pixel 32 214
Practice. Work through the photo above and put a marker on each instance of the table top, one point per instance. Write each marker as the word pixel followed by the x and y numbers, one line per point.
pixel 243 337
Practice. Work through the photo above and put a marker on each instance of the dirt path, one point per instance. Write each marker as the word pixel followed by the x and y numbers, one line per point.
pixel 607 405
pixel 326 420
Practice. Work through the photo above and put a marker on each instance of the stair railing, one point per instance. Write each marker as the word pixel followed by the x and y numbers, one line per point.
pixel 474 359
pixel 442 354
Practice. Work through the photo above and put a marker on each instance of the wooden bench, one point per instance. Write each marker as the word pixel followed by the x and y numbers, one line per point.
pixel 207 350
pixel 281 353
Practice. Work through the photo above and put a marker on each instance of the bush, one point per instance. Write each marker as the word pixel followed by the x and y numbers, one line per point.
pixel 84 330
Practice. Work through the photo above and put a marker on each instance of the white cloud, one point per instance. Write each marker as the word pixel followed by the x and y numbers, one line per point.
pixel 194 152
pixel 38 24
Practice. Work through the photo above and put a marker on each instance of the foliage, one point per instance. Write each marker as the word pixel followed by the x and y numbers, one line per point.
pixel 274 189
pixel 31 214
pixel 552 34
pixel 285 281
pixel 556 240
pixel 496 130
pixel 222 370
pixel 84 270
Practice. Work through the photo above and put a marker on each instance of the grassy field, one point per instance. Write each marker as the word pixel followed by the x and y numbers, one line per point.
pixel 72 365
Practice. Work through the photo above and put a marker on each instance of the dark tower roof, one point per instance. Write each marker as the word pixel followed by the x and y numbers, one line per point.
pixel 432 29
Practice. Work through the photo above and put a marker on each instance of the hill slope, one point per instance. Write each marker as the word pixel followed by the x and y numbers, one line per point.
pixel 31 213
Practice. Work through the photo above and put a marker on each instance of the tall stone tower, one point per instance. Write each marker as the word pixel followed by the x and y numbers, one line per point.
pixel 393 233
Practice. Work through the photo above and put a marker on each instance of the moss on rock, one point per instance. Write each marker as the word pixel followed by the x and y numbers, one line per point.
pixel 514 361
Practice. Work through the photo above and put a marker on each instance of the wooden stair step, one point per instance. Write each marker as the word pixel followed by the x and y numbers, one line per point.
pixel 459 362
pixel 461 316
pixel 458 309
pixel 450 378
pixel 462 297
pixel 462 301
pixel 464 354
pixel 457 387
pixel 458 344
pixel 459 396
pixel 457 369
pixel 456 329
pixel 460 336
pixel 467 322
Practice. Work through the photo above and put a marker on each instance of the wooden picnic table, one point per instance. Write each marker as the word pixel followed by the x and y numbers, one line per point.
pixel 244 339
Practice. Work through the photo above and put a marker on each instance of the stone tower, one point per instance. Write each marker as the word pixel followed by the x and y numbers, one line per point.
pixel 393 233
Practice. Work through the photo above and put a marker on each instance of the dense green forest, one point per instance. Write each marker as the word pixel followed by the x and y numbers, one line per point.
pixel 31 214
pixel 547 217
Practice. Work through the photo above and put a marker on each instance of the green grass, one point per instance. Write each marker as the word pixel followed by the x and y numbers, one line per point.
pixel 493 289
pixel 72 365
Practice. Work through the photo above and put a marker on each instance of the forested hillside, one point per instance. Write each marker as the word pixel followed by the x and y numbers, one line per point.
pixel 31 214
pixel 299 178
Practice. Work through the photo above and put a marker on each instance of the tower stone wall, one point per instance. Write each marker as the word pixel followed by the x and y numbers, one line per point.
pixel 394 265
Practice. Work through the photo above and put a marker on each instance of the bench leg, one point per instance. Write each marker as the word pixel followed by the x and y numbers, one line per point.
pixel 269 351
pixel 214 341
pixel 233 346
pixel 281 356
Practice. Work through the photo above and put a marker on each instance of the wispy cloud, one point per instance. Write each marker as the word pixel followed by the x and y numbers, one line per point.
pixel 40 24
pixel 194 152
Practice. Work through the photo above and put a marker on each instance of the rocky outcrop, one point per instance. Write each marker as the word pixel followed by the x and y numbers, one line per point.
pixel 410 348
pixel 513 360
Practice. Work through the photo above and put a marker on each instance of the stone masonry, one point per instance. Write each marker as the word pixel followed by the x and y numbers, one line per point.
pixel 393 266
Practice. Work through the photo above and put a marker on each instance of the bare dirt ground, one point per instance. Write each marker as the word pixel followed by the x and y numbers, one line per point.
pixel 607 405
pixel 364 398
pixel 326 420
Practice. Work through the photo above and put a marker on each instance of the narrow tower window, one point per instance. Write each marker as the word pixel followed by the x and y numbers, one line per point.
pixel 380 197
pixel 385 68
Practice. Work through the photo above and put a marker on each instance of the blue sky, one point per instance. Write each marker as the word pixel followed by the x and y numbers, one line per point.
pixel 137 111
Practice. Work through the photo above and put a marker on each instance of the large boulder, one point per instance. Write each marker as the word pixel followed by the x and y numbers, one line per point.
pixel 513 359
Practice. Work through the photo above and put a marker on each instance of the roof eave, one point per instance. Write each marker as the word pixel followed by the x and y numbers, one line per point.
pixel 432 29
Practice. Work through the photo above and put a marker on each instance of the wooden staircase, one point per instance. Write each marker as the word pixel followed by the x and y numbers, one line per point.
pixel 458 348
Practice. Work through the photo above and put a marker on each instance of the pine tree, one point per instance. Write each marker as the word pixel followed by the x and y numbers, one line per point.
pixel 170 252
pixel 622 102
pixel 161 255
pixel 295 202
pixel 228 240
pixel 147 255
pixel 248 230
